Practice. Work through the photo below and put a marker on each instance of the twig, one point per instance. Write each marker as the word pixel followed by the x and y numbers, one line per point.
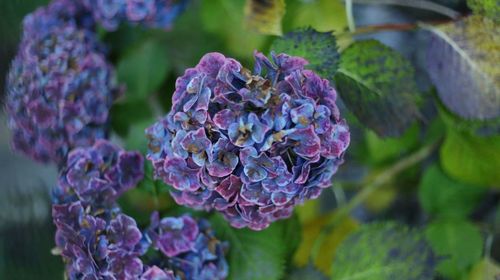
pixel 350 16
pixel 362 195
pixel 420 4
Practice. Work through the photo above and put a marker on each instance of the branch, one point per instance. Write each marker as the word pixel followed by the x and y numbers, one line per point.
pixel 350 15
pixel 362 195
pixel 419 4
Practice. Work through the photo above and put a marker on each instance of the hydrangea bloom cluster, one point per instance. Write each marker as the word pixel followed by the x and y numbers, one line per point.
pixel 151 13
pixel 98 175
pixel 60 86
pixel 191 248
pixel 251 145
pixel 97 241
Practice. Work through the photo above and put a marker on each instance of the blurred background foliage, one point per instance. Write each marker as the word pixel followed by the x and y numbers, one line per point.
pixel 418 195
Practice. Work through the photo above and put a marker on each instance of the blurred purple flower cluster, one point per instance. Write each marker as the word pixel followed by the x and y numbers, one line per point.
pixel 151 13
pixel 97 241
pixel 251 145
pixel 60 86
pixel 191 248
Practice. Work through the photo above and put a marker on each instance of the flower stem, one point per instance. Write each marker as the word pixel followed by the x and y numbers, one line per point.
pixel 419 4
pixel 362 195
pixel 350 16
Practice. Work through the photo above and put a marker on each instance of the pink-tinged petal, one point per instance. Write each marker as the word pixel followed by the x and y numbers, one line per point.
pixel 211 63
pixel 281 198
pixel 229 187
pixel 180 176
pixel 156 273
pixel 224 118
pixel 308 143
pixel 335 141
pixel 255 194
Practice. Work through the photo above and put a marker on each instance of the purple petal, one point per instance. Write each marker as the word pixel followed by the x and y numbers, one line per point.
pixel 224 118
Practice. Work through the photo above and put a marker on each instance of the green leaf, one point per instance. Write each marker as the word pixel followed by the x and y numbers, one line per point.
pixel 488 8
pixel 462 61
pixel 382 251
pixel 144 68
pixel 486 269
pixel 377 84
pixel 126 113
pixel 443 197
pixel 136 138
pixel 477 127
pixel 311 231
pixel 306 273
pixel 239 41
pixel 319 48
pixel 264 16
pixel 322 15
pixel 292 232
pixel 383 149
pixel 255 255
pixel 458 242
pixel 471 159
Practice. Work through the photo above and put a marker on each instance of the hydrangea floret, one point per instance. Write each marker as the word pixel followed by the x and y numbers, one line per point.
pixel 251 145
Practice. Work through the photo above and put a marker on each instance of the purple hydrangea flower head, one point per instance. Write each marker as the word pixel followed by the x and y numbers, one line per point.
pixel 96 244
pixel 151 13
pixel 60 86
pixel 249 144
pixel 98 175
pixel 190 246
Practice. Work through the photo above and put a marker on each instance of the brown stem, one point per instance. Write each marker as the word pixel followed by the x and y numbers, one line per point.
pixel 362 195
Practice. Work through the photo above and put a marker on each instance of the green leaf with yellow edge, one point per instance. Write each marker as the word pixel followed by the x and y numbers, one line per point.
pixel 458 243
pixel 319 48
pixel 470 158
pixel 486 269
pixel 488 8
pixel 256 255
pixel 377 85
pixel 264 16
pixel 462 60
pixel 237 39
pixel 443 197
pixel 382 251
pixel 310 232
